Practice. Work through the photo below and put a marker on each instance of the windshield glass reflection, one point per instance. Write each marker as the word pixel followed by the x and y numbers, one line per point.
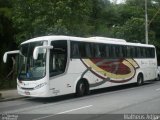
pixel 30 69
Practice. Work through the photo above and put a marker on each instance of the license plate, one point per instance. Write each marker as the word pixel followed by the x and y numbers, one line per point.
pixel 27 93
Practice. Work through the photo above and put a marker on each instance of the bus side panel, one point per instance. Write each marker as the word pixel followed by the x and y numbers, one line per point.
pixel 66 84
pixel 148 68
pixel 78 69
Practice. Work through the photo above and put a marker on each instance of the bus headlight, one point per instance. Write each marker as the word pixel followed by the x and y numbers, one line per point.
pixel 40 85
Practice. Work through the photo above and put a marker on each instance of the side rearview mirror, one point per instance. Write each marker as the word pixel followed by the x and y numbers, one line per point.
pixel 37 50
pixel 9 52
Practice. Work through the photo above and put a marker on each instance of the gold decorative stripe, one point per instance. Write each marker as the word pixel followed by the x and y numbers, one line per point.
pixel 106 74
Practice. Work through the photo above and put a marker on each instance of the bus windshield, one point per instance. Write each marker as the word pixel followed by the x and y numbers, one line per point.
pixel 30 69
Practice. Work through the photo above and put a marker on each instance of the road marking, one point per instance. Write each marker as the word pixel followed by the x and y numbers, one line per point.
pixel 67 111
pixel 75 109
pixel 158 89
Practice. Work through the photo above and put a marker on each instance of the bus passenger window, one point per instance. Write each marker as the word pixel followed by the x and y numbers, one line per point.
pixel 142 52
pixel 121 52
pixel 75 50
pixel 97 51
pixel 107 50
pixel 124 51
pixel 102 50
pixel 152 53
pixel 118 51
pixel 112 51
pixel 128 52
pixel 88 50
pixel 138 52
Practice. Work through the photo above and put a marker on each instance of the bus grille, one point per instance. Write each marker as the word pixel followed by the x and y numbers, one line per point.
pixel 27 88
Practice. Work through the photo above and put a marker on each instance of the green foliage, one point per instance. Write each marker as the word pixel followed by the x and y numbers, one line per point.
pixel 132 30
pixel 33 18
pixel 24 19
pixel 38 17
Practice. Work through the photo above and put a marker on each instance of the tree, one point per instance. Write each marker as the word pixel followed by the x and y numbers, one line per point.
pixel 38 17
pixel 6 36
pixel 133 31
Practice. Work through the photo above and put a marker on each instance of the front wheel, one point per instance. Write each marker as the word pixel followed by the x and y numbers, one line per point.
pixel 81 88
pixel 140 80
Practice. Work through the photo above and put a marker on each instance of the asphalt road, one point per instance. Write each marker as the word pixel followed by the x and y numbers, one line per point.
pixel 122 102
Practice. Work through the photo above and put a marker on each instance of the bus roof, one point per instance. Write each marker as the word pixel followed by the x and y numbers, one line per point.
pixel 89 39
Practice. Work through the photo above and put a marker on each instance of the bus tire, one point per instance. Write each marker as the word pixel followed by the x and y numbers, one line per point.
pixel 158 78
pixel 82 88
pixel 140 79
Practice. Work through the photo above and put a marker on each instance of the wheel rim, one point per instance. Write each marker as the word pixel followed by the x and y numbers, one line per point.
pixel 140 80
pixel 82 88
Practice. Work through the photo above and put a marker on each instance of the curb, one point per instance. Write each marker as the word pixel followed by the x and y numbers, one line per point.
pixel 10 99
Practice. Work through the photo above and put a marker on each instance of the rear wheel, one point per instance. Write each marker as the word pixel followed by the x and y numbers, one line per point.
pixel 140 80
pixel 158 78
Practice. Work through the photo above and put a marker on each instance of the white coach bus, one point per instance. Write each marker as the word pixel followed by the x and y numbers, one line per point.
pixel 59 65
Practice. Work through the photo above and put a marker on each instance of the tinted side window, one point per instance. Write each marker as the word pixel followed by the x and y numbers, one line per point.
pixel 88 50
pixel 128 52
pixel 112 51
pixel 147 53
pixel 152 52
pixel 124 51
pixel 75 53
pixel 97 53
pixel 117 51
pixel 81 50
pixel 120 51
pixel 106 50
pixel 102 50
